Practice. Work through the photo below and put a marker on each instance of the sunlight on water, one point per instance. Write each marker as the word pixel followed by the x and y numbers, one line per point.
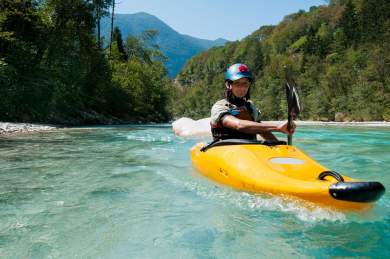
pixel 131 192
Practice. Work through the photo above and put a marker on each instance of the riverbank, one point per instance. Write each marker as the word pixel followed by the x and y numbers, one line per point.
pixel 349 123
pixel 8 128
pixel 201 126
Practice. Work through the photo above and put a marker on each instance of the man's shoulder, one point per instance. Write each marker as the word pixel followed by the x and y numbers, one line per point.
pixel 219 109
pixel 221 102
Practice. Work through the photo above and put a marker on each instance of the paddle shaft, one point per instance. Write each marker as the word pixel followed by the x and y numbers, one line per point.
pixel 289 136
pixel 289 139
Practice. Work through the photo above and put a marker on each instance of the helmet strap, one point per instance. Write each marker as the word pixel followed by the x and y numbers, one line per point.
pixel 228 84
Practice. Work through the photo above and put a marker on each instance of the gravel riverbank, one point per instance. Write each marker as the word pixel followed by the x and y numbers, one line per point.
pixel 7 128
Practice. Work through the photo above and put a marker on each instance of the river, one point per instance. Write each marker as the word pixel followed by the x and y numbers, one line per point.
pixel 131 192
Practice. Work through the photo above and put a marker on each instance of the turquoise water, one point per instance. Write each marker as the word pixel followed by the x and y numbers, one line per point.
pixel 130 192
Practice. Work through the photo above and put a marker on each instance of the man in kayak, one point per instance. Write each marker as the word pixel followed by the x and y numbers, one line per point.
pixel 236 116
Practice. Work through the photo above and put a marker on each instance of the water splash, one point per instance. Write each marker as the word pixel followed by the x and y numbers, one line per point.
pixel 303 210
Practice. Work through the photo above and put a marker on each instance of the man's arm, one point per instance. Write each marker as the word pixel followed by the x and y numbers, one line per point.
pixel 251 127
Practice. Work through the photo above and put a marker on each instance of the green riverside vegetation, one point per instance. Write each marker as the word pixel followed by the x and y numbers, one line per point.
pixel 54 67
pixel 338 55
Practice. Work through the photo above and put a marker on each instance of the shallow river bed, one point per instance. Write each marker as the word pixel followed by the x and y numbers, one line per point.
pixel 131 192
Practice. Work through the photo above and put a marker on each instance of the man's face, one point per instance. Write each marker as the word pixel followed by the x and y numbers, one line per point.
pixel 240 87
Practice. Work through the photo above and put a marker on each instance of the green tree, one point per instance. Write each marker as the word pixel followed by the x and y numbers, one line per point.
pixel 350 25
pixel 24 91
pixel 375 15
pixel 118 52
pixel 100 10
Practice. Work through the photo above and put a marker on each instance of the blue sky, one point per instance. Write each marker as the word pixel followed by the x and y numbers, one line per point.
pixel 211 19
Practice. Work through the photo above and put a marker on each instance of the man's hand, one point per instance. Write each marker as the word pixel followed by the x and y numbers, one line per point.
pixel 283 128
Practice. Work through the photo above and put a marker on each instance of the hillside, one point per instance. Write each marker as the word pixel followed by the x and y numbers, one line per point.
pixel 177 47
pixel 53 70
pixel 338 54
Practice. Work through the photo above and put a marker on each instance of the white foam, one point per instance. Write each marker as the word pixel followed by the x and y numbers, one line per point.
pixel 149 138
pixel 303 210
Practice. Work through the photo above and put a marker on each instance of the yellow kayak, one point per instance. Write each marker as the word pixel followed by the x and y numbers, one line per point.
pixel 256 166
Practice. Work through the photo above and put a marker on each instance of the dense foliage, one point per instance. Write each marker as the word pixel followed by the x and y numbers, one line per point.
pixel 339 56
pixel 53 68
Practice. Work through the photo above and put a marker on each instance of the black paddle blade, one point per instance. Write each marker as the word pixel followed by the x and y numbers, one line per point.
pixel 292 100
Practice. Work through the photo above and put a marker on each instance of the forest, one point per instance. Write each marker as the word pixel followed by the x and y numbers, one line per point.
pixel 338 55
pixel 55 67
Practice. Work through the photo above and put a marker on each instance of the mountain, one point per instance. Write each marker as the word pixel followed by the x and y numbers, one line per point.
pixel 177 47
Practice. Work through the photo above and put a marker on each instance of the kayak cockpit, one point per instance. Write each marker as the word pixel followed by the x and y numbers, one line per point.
pixel 229 142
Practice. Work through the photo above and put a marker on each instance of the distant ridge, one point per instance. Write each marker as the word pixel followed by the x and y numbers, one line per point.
pixel 177 47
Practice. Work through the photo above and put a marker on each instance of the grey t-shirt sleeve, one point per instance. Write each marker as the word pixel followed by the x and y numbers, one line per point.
pixel 219 109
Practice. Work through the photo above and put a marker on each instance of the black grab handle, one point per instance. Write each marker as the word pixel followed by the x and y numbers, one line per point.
pixel 227 142
pixel 334 174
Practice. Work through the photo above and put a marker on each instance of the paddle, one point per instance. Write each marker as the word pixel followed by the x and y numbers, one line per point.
pixel 293 106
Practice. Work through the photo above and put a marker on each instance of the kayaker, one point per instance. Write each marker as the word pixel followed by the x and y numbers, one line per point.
pixel 236 116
